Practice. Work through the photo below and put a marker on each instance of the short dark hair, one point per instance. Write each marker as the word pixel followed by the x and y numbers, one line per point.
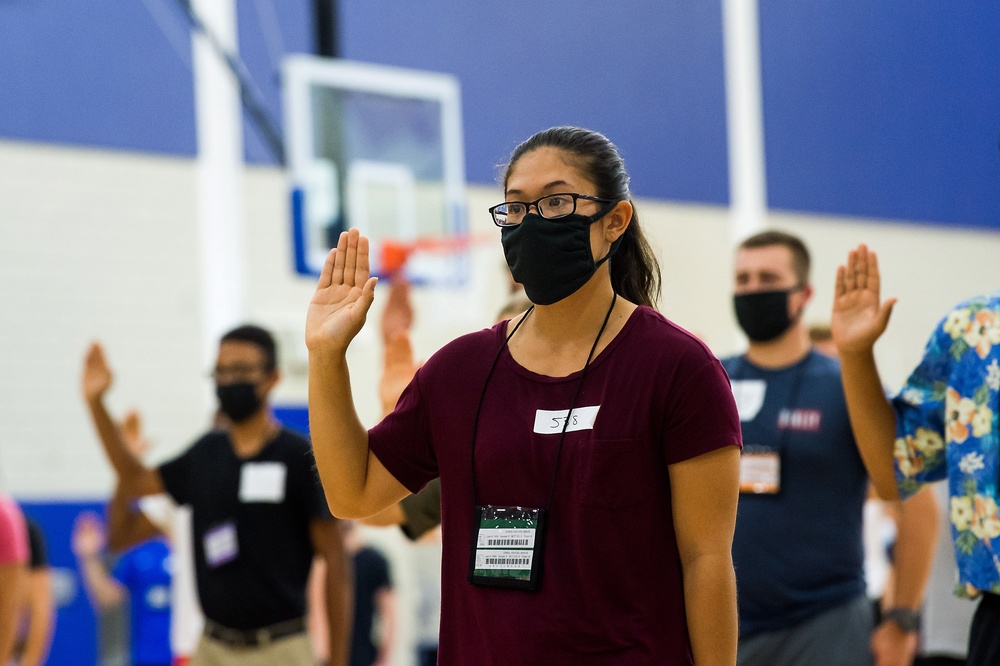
pixel 258 336
pixel 800 253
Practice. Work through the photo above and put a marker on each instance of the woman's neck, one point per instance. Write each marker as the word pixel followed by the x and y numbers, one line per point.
pixel 249 437
pixel 557 339
pixel 577 317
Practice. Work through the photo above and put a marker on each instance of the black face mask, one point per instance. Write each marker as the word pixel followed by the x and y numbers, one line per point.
pixel 763 315
pixel 552 258
pixel 239 401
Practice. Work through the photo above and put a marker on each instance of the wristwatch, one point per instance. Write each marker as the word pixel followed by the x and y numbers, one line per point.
pixel 905 618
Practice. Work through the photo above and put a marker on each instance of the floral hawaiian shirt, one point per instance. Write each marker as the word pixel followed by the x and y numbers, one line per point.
pixel 946 419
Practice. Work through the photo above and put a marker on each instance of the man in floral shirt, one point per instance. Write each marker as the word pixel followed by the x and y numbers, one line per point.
pixel 942 426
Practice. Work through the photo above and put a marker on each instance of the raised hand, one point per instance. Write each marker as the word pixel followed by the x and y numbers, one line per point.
pixel 97 376
pixel 131 431
pixel 397 315
pixel 859 317
pixel 88 537
pixel 343 296
pixel 397 370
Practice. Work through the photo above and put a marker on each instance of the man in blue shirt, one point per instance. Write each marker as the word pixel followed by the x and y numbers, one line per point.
pixel 797 549
pixel 941 426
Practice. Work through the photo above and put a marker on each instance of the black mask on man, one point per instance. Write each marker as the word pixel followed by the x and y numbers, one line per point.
pixel 552 258
pixel 239 401
pixel 763 315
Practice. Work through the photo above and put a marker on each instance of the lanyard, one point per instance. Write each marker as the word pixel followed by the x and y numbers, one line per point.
pixel 576 393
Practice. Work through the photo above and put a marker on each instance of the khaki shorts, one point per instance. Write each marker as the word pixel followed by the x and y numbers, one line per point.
pixel 289 651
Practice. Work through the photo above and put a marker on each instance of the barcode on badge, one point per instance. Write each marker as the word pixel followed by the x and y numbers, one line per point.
pixel 504 559
pixel 506 538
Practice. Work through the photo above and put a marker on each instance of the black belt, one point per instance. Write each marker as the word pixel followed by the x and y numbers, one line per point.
pixel 990 599
pixel 243 638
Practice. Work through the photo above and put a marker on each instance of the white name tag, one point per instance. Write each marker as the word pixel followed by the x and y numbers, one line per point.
pixel 749 395
pixel 263 482
pixel 551 423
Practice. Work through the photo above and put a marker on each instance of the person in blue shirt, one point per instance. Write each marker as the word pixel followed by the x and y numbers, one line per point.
pixel 798 542
pixel 941 427
pixel 140 579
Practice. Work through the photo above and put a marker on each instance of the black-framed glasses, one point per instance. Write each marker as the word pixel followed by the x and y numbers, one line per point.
pixel 551 206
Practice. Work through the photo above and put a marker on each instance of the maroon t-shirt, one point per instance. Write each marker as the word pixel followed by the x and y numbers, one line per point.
pixel 611 589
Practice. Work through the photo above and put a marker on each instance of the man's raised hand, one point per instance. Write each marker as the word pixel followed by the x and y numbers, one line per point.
pixel 344 294
pixel 97 376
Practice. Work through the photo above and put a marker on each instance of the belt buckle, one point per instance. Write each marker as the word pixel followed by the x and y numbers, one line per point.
pixel 239 641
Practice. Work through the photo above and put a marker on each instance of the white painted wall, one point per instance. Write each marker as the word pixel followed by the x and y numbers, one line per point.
pixel 104 245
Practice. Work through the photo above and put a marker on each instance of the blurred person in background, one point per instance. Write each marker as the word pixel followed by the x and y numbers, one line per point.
pixel 258 512
pixel 942 425
pixel 375 624
pixel 38 615
pixel 140 581
pixel 13 572
pixel 798 547
pixel 153 517
pixel 650 467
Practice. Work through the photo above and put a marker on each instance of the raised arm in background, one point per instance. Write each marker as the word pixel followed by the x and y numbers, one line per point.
pixel 88 542
pixel 134 477
pixel 859 318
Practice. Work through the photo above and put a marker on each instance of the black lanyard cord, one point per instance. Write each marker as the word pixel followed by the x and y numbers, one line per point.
pixel 576 393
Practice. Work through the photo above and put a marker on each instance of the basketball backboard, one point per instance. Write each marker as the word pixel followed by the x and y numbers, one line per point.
pixel 377 148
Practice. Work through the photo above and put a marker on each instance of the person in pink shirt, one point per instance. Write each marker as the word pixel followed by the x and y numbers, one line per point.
pixel 13 572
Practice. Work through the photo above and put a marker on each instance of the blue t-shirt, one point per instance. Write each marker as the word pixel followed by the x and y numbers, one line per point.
pixel 145 572
pixel 798 552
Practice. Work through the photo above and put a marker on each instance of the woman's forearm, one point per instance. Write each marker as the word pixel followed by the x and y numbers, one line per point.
pixel 710 601
pixel 340 441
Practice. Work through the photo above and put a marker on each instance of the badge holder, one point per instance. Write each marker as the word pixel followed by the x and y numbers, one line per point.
pixel 760 471
pixel 507 547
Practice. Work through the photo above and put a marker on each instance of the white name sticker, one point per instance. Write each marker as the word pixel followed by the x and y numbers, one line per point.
pixel 749 395
pixel 552 423
pixel 263 482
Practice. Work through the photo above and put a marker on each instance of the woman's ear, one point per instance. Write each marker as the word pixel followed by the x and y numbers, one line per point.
pixel 617 221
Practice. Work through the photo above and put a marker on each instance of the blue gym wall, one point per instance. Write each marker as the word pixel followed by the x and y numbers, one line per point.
pixel 888 110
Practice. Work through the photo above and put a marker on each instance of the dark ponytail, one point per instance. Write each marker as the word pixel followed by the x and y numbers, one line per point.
pixel 635 272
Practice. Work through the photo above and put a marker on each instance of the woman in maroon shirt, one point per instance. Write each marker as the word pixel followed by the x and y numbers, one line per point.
pixel 588 449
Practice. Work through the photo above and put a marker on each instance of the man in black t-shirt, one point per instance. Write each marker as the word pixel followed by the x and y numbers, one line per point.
pixel 258 512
